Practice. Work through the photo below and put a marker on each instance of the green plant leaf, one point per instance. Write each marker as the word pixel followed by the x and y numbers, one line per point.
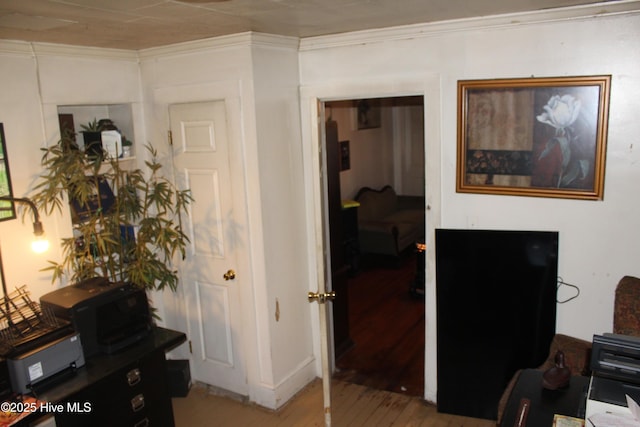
pixel 144 199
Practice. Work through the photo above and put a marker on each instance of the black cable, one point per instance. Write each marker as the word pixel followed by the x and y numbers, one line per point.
pixel 562 282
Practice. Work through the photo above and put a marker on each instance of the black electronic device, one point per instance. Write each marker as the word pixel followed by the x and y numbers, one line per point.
pixel 615 369
pixel 616 357
pixel 496 312
pixel 5 381
pixel 41 367
pixel 178 377
pixel 109 316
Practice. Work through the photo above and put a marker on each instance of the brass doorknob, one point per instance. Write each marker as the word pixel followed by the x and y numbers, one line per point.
pixel 320 297
pixel 229 275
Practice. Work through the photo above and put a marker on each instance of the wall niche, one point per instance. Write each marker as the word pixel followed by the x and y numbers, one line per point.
pixel 116 138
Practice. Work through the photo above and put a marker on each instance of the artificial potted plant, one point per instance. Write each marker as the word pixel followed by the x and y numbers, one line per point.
pixel 109 203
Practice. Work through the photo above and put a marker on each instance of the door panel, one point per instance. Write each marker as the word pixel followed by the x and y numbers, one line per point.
pixel 213 307
pixel 201 162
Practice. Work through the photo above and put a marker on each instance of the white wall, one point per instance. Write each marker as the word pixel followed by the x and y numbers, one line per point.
pixel 280 168
pixel 599 240
pixel 392 154
pixel 258 76
pixel 259 73
pixel 371 150
pixel 34 80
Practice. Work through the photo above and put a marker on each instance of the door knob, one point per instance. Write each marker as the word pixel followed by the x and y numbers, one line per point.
pixel 320 297
pixel 229 275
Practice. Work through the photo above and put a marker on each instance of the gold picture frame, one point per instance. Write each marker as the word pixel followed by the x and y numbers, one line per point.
pixel 541 137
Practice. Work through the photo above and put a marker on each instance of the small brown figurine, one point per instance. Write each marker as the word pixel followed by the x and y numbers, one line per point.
pixel 557 376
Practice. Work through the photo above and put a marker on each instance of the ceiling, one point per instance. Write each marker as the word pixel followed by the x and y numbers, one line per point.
pixel 140 24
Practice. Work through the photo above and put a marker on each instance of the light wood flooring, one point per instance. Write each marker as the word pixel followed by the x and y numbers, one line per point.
pixel 353 405
pixel 379 381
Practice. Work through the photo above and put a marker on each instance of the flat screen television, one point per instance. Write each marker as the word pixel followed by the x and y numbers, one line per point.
pixel 496 312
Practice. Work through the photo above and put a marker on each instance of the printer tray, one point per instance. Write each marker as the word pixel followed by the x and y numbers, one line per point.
pixel 613 391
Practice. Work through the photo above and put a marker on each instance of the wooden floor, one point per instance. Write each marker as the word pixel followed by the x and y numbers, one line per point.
pixel 380 380
pixel 353 405
pixel 387 328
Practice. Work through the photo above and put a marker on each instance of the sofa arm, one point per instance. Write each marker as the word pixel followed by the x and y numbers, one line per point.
pixel 502 403
pixel 378 237
pixel 383 227
pixel 410 202
pixel 577 354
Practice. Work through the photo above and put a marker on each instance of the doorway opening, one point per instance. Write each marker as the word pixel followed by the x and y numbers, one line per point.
pixel 379 314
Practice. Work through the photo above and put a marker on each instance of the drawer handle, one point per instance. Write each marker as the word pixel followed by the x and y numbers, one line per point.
pixel 137 403
pixel 143 423
pixel 134 376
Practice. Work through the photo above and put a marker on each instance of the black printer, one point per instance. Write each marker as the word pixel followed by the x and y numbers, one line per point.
pixel 615 368
pixel 109 316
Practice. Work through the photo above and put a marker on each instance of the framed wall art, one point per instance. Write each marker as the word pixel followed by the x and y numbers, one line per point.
pixel 7 208
pixel 543 137
pixel 345 156
pixel 368 114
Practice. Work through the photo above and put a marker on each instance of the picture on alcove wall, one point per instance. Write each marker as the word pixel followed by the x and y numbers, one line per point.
pixel 368 113
pixel 345 156
pixel 541 137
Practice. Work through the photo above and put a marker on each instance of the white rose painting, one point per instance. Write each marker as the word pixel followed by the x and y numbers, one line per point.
pixel 541 137
pixel 572 140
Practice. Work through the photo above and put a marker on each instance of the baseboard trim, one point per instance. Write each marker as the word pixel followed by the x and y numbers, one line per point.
pixel 274 397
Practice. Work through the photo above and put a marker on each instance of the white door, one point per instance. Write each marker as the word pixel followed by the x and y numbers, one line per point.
pixel 211 283
pixel 324 295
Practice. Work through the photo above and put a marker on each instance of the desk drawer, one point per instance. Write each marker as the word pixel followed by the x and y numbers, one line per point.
pixel 136 395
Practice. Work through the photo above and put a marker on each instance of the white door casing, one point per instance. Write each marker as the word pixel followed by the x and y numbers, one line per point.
pixel 211 281
pixel 311 97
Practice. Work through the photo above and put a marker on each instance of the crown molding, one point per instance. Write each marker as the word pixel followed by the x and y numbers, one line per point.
pixel 425 30
pixel 245 39
pixel 15 47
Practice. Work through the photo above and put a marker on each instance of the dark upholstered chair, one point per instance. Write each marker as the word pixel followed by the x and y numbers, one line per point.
pixel 626 321
pixel 626 316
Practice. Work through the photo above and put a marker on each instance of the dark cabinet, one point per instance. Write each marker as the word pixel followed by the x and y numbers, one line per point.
pixel 136 395
pixel 129 388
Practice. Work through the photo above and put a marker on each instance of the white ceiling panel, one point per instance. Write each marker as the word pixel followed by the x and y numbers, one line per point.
pixel 140 24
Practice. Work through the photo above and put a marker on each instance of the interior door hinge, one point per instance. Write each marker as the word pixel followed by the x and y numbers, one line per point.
pixel 190 347
pixel 170 135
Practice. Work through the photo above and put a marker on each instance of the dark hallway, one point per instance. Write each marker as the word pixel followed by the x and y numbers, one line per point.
pixel 387 330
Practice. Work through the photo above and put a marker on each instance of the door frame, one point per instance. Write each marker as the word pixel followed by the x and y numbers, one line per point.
pixel 312 99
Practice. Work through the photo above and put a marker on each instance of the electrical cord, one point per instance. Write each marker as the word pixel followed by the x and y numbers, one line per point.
pixel 561 282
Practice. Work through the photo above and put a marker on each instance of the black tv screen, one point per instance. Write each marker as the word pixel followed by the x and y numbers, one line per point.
pixel 496 312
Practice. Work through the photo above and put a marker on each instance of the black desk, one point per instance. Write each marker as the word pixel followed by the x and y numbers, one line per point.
pixel 544 403
pixel 128 388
